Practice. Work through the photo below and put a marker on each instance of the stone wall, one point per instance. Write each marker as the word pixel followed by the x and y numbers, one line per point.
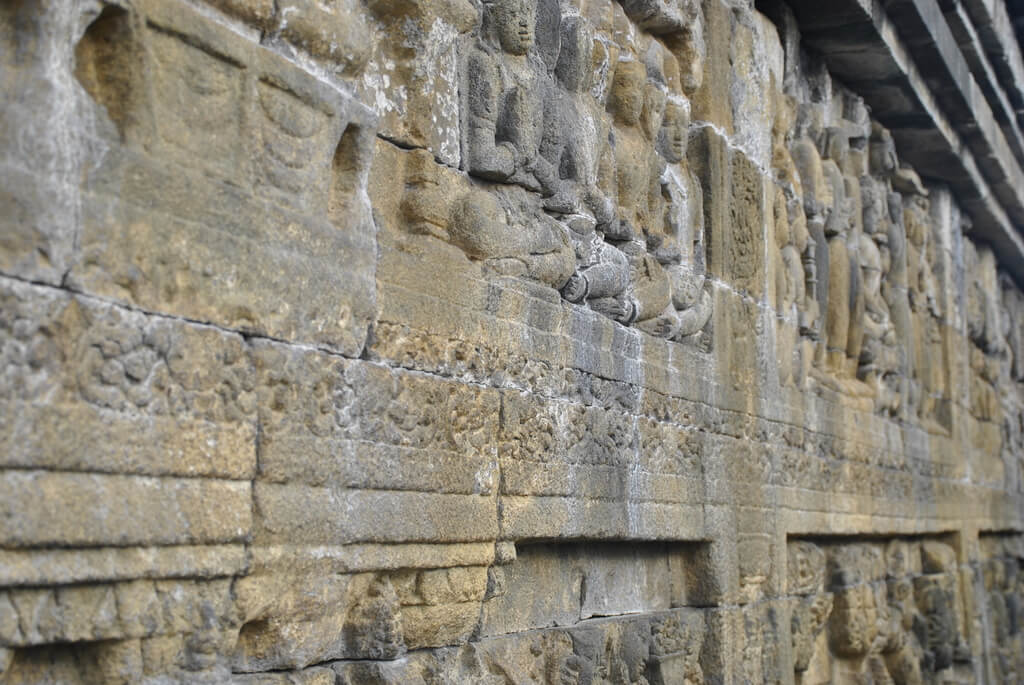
pixel 495 342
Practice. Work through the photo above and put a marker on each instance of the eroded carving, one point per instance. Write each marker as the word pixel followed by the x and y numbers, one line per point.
pixel 889 611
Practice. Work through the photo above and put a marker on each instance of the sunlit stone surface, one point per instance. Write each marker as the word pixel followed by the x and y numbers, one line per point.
pixel 497 342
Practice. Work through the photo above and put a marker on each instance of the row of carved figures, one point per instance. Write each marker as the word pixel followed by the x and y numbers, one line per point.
pixel 611 217
pixel 576 148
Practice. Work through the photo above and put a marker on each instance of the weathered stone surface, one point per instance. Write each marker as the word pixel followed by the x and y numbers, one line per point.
pixel 575 341
pixel 89 387
pixel 270 163
pixel 52 508
pixel 34 567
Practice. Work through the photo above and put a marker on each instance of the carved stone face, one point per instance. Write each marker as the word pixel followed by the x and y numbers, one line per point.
pixel 806 567
pixel 936 604
pixel 686 287
pixel 882 151
pixel 915 218
pixel 885 257
pixel 627 96
pixel 871 265
pixel 515 22
pixel 808 619
pixel 674 134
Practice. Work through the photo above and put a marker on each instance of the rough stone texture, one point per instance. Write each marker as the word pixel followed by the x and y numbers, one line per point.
pixel 527 341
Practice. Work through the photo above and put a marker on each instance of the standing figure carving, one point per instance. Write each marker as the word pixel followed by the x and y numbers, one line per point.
pixel 929 374
pixel 817 207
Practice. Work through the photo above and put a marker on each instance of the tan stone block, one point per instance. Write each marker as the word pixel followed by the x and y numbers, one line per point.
pixel 341 36
pixel 49 508
pixel 355 558
pixel 307 676
pixel 114 662
pixel 35 236
pixel 625 579
pixel 363 464
pixel 93 387
pixel 453 585
pixel 711 101
pixel 325 516
pixel 439 625
pixel 414 75
pixel 81 613
pixel 10 626
pixel 196 606
pixel 543 587
pixel 80 437
pixel 139 608
pixel 536 478
pixel 38 198
pixel 39 616
pixel 294 621
pixel 669 450
pixel 937 557
pixel 539 517
pixel 741 251
pixel 363 426
pixel 60 566
pixel 89 613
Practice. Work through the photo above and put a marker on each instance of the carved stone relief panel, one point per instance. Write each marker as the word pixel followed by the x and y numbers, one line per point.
pixel 277 169
pixel 574 131
pixel 879 611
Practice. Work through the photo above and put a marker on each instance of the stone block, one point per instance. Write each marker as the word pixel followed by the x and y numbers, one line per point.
pixel 45 508
pixel 36 233
pixel 439 625
pixel 307 676
pixel 452 585
pixel 331 516
pixel 292 621
pixel 66 566
pixel 543 587
pixel 389 341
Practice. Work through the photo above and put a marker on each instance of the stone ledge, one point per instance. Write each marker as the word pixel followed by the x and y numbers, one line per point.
pixel 66 566
pixel 995 29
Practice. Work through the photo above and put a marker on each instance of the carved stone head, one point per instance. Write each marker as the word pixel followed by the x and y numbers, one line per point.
pixel 915 219
pixel 806 568
pixel 514 22
pixel 882 151
pixel 798 224
pixel 809 617
pixel 810 123
pixel 626 101
pixel 674 134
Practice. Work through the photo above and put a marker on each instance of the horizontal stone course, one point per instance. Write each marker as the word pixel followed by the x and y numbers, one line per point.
pixel 509 342
pixel 46 508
